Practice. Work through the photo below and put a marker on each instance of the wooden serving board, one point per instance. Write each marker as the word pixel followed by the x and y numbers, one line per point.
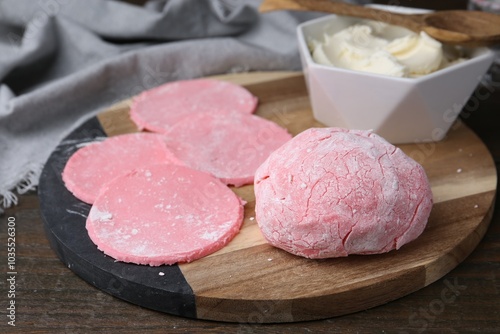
pixel 249 281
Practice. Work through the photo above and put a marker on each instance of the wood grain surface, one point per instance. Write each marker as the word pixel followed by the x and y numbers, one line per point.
pixel 458 27
pixel 50 298
pixel 250 281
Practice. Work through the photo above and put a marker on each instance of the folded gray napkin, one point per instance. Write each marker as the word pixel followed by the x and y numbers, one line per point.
pixel 63 61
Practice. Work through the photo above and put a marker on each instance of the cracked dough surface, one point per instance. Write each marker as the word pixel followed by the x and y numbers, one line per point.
pixel 163 214
pixel 331 192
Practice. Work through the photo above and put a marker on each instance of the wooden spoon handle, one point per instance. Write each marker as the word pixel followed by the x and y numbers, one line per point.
pixel 412 22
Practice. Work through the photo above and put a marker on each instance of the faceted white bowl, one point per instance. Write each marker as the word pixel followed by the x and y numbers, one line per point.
pixel 402 110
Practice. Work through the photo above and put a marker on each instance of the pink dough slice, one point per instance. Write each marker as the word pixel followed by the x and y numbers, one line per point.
pixel 229 146
pixel 332 192
pixel 164 214
pixel 89 168
pixel 159 108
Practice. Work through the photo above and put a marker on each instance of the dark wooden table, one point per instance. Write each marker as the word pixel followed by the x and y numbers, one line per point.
pixel 50 298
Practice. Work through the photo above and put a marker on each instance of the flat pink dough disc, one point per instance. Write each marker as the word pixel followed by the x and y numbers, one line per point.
pixel 229 146
pixel 89 168
pixel 159 108
pixel 332 192
pixel 164 214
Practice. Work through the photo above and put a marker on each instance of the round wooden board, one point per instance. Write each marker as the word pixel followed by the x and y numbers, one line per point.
pixel 249 281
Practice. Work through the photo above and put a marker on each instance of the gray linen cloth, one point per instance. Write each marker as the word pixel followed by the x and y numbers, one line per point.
pixel 63 61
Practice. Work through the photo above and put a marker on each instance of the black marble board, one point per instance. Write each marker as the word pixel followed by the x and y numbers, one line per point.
pixel 161 288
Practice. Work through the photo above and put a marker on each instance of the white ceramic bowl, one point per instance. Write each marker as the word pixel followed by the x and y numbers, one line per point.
pixel 402 110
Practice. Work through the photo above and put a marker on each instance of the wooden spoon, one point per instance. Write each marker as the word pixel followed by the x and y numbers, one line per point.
pixel 460 27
